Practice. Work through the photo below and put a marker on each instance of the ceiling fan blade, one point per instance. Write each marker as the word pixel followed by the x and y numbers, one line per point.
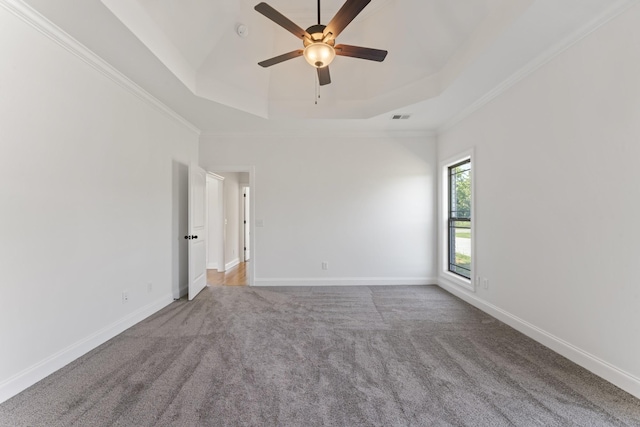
pixel 323 75
pixel 281 58
pixel 281 20
pixel 361 52
pixel 349 10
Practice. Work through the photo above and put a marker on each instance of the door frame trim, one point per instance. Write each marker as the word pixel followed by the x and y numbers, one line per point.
pixel 243 202
pixel 251 170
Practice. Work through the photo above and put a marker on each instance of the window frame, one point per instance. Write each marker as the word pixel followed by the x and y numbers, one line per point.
pixel 453 219
pixel 446 276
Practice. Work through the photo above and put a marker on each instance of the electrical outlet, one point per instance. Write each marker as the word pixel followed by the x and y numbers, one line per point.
pixel 325 265
pixel 125 296
pixel 150 287
pixel 485 283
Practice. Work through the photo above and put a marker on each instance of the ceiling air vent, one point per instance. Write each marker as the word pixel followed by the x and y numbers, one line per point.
pixel 400 116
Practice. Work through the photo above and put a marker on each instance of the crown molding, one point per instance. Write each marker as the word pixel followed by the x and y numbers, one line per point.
pixel 32 17
pixel 299 133
pixel 615 10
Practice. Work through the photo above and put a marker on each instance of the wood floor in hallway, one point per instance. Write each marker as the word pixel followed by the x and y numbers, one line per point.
pixel 236 276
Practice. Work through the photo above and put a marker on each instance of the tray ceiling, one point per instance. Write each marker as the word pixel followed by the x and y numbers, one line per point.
pixel 446 57
pixel 429 43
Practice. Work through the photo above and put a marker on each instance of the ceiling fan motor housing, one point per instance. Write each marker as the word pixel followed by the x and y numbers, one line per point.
pixel 316 32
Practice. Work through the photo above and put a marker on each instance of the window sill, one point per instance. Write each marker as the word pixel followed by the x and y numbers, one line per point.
pixel 459 281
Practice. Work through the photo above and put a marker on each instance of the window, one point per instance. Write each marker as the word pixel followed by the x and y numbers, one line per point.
pixel 459 191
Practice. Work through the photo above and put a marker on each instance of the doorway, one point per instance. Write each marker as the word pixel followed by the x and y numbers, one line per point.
pixel 236 276
pixel 230 227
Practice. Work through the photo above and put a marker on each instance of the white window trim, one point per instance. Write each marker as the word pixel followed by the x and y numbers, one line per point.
pixel 443 217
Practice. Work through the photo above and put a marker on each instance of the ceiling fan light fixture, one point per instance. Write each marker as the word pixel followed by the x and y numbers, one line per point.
pixel 319 54
pixel 320 40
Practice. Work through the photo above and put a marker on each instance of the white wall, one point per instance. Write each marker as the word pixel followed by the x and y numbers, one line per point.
pixel 232 217
pixel 243 178
pixel 180 228
pixel 213 229
pixel 86 184
pixel 365 205
pixel 557 185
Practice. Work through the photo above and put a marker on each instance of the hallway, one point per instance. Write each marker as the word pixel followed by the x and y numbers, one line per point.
pixel 236 276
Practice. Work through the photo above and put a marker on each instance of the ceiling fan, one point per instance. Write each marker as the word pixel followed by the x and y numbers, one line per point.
pixel 319 40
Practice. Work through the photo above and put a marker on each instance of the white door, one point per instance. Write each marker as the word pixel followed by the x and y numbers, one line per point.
pixel 197 235
pixel 247 228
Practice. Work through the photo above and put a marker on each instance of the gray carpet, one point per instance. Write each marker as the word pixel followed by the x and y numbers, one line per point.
pixel 366 356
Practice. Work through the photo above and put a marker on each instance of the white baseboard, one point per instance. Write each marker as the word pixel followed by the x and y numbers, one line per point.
pixel 212 266
pixel 347 281
pixel 605 370
pixel 232 264
pixel 25 379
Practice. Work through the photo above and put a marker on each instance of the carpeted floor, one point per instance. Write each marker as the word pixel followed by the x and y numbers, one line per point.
pixel 362 356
